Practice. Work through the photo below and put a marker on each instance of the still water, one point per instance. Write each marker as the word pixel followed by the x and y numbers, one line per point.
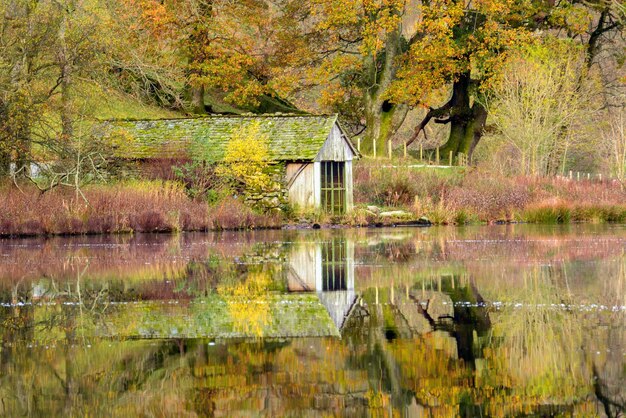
pixel 480 321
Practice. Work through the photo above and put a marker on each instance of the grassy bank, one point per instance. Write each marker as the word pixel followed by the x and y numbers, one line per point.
pixel 465 195
pixel 139 206
pixel 443 196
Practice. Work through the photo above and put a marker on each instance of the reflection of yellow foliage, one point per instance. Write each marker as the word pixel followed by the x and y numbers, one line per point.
pixel 248 303
pixel 438 380
pixel 377 400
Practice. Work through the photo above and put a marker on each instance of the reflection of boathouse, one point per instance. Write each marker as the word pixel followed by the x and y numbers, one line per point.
pixel 326 268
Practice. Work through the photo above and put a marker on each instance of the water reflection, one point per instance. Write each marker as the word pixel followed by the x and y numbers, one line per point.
pixel 493 321
pixel 324 266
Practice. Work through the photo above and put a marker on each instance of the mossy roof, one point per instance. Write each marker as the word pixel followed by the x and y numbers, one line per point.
pixel 281 316
pixel 291 137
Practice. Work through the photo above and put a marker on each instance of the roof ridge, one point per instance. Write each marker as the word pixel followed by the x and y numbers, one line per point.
pixel 216 116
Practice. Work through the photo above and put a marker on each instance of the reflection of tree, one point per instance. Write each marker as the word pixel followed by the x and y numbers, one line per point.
pixel 519 360
pixel 58 323
pixel 536 354
pixel 371 333
pixel 609 369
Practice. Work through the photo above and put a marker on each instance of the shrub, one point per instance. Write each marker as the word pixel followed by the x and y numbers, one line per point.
pixel 599 214
pixel 200 180
pixel 231 213
pixel 488 198
pixel 245 169
pixel 398 186
pixel 471 195
pixel 437 212
pixel 550 213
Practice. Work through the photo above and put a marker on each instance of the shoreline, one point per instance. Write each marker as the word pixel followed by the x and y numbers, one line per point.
pixel 405 198
pixel 297 227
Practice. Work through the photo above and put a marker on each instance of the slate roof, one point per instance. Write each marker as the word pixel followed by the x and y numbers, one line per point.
pixel 288 316
pixel 292 137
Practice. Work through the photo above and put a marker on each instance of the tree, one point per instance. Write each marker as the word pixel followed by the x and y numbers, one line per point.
pixel 465 45
pixel 381 58
pixel 535 101
pixel 354 50
pixel 149 61
pixel 28 30
pixel 239 50
pixel 245 163
pixel 614 139
pixel 385 57
pixel 47 47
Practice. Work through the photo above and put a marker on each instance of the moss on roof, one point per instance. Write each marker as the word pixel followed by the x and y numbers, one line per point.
pixel 287 315
pixel 292 137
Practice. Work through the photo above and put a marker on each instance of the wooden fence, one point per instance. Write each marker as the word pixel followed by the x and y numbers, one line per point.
pixel 431 158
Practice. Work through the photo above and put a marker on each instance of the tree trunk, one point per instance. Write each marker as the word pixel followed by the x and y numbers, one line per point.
pixel 197 99
pixel 5 163
pixel 5 147
pixel 382 117
pixel 197 54
pixel 23 154
pixel 467 121
pixel 382 121
pixel 65 69
pixel 67 119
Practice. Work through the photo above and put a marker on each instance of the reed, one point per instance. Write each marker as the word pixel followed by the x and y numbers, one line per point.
pixel 559 213
pixel 147 206
pixel 231 214
pixel 459 196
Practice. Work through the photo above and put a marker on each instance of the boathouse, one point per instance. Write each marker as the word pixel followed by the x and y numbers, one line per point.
pixel 314 150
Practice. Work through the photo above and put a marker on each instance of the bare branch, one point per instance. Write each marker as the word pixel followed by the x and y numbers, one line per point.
pixel 432 113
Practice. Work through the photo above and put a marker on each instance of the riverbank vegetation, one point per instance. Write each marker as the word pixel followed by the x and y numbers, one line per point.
pixel 126 207
pixel 438 196
pixel 454 195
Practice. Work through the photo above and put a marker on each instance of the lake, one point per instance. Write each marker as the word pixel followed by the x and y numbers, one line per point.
pixel 407 322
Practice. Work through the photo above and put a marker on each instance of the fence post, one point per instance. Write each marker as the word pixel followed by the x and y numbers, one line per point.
pixel 578 176
pixel 450 159
pixel 374 142
pixel 437 157
pixel 405 149
pixel 389 148
pixel 571 174
pixel 358 144
pixel 421 152
pixel 588 176
pixel 600 177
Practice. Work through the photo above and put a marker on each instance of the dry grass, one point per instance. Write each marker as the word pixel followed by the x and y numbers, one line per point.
pixel 141 206
pixel 232 213
pixel 125 207
pixel 452 196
